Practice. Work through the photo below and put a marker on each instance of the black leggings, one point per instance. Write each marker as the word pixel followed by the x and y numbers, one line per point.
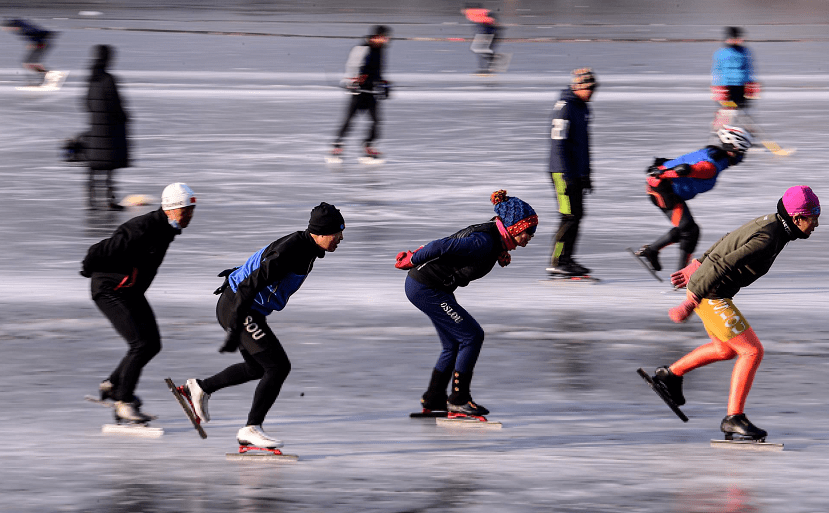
pixel 132 317
pixel 361 101
pixel 265 360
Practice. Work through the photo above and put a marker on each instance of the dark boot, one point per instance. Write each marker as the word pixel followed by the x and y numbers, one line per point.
pixel 460 401
pixel 671 384
pixel 739 427
pixel 651 256
pixel 435 397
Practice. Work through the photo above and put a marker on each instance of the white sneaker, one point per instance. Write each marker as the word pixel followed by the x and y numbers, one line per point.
pixel 199 400
pixel 253 435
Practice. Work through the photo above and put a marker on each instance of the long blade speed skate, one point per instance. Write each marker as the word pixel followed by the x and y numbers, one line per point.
pixel 251 452
pixel 643 263
pixel 186 405
pixel 464 420
pixel 661 393
pixel 751 445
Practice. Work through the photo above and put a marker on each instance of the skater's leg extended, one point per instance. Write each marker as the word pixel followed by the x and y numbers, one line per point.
pixel 373 108
pixel 275 369
pixel 130 315
pixel 571 209
pixel 349 114
pixel 750 354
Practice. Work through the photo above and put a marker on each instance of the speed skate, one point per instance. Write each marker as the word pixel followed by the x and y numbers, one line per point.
pixel 53 81
pixel 751 445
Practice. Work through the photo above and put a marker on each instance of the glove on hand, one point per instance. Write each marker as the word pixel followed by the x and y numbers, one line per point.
pixel 681 313
pixel 680 278
pixel 655 171
pixel 719 93
pixel 752 91
pixel 231 342
pixel 404 259
pixel 682 170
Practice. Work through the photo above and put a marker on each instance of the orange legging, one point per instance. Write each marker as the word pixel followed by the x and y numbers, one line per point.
pixel 743 344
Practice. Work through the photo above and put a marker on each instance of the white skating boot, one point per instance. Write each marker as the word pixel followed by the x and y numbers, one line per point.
pixel 129 412
pixel 254 435
pixel 198 399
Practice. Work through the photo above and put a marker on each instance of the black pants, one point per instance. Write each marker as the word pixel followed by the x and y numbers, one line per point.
pixel 571 208
pixel 685 231
pixel 361 101
pixel 93 186
pixel 132 317
pixel 264 359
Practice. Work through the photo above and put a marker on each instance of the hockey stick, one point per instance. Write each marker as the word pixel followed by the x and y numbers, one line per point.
pixel 754 128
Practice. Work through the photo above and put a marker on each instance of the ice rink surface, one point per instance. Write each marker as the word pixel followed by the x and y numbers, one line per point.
pixel 242 106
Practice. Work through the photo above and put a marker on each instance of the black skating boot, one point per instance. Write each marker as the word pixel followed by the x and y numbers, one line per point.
pixel 671 384
pixel 460 401
pixel 651 256
pixel 435 397
pixel 738 427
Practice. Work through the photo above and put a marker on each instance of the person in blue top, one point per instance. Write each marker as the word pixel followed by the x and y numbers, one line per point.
pixel 570 168
pixel 732 71
pixel 250 293
pixel 38 43
pixel 443 265
pixel 671 183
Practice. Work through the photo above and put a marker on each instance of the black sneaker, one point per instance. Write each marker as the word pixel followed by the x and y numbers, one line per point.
pixel 651 256
pixel 739 427
pixel 433 403
pixel 671 384
pixel 582 270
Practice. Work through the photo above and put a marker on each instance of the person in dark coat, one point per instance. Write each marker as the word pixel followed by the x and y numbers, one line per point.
pixel 106 147
pixel 436 270
pixel 122 268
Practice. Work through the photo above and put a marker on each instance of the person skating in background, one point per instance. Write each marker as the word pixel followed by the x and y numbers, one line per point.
pixel 105 144
pixel 569 168
pixel 364 80
pixel 38 41
pixel 737 260
pixel 732 71
pixel 670 183
pixel 122 268
pixel 437 269
pixel 250 293
pixel 486 39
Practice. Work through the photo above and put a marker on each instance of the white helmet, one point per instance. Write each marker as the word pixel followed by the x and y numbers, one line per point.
pixel 177 195
pixel 734 138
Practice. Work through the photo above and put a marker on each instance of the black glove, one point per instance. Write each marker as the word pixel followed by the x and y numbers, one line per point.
pixel 658 161
pixel 682 170
pixel 231 342
pixel 655 171
pixel 226 283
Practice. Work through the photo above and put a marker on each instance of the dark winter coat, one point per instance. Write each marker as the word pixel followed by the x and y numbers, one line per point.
pixel 454 261
pixel 139 244
pixel 106 142
pixel 570 149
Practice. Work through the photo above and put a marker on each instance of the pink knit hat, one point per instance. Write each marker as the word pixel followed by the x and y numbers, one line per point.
pixel 800 200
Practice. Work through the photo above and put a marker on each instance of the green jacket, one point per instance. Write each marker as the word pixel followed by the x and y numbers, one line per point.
pixel 740 257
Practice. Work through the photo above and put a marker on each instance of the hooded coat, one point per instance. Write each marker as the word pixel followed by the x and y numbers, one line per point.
pixel 106 141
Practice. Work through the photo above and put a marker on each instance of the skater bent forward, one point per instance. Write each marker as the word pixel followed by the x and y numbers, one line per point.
pixel 443 265
pixel 737 260
pixel 122 268
pixel 262 284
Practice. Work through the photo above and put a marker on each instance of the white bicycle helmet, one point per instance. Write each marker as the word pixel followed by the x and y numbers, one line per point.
pixel 177 195
pixel 734 138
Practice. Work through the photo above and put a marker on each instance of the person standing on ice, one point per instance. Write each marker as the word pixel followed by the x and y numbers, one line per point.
pixel 732 71
pixel 106 147
pixel 570 168
pixel 38 39
pixel 122 268
pixel 250 293
pixel 443 265
pixel 737 260
pixel 670 183
pixel 364 80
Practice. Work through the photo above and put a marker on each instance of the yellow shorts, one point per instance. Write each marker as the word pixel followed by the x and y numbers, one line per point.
pixel 721 318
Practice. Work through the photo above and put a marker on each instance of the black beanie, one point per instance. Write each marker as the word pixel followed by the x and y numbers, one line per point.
pixel 326 220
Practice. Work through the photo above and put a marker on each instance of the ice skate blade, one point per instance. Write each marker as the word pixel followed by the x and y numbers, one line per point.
pixel 430 414
pixel 139 430
pixel 334 160
pixel 251 453
pixel 565 278
pixel 643 263
pixel 184 402
pixel 371 161
pixel 468 422
pixel 751 445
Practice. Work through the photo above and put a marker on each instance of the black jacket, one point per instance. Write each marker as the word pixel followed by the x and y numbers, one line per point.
pixel 570 141
pixel 106 142
pixel 139 244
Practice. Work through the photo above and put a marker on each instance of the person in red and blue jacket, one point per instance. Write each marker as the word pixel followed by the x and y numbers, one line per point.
pixel 671 183
pixel 437 269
